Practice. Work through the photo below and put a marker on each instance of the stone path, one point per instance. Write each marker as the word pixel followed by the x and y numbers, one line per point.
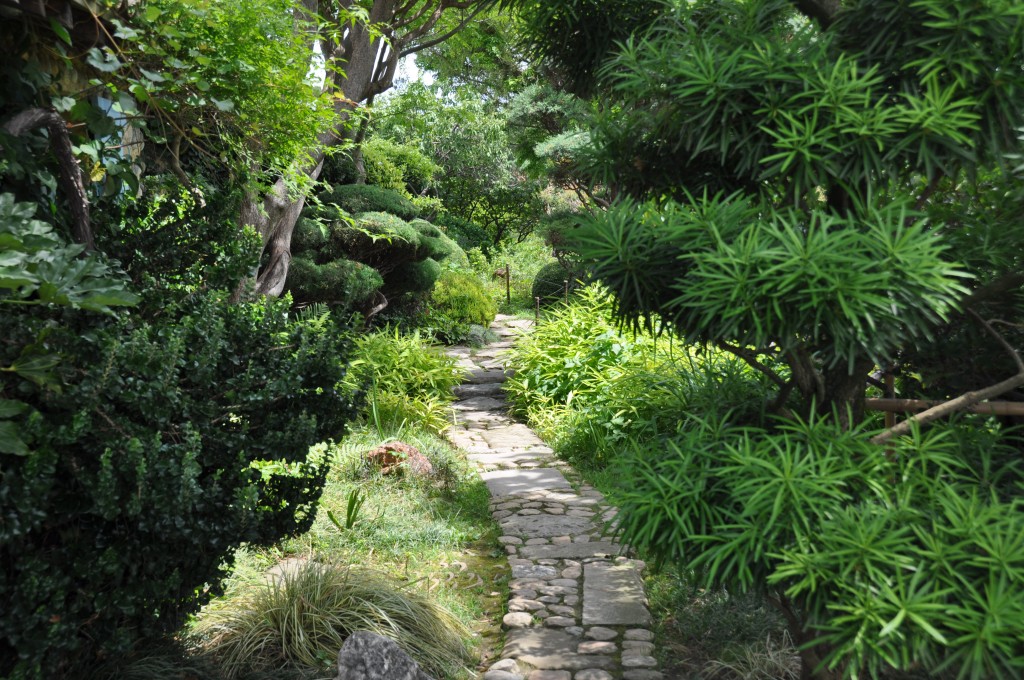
pixel 577 609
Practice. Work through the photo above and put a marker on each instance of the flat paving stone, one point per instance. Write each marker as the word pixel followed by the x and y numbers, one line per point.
pixel 613 595
pixel 510 482
pixel 545 525
pixel 571 551
pixel 477 375
pixel 466 390
pixel 491 457
pixel 479 404
pixel 550 649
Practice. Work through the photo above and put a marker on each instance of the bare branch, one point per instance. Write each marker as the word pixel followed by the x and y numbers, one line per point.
pixel 441 38
pixel 750 356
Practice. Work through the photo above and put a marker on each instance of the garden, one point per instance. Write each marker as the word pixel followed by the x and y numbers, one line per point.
pixel 771 251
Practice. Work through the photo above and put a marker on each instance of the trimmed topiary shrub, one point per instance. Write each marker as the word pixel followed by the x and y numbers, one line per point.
pixel 414 277
pixel 337 282
pixel 361 198
pixel 549 284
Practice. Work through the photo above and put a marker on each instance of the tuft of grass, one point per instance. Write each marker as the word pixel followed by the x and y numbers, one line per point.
pixel 300 616
pixel 764 660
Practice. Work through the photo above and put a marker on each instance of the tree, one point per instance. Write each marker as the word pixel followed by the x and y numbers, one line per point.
pixel 361 44
pixel 785 173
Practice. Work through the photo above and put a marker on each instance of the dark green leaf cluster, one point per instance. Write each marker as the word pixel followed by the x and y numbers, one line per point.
pixel 550 283
pixel 908 558
pixel 121 519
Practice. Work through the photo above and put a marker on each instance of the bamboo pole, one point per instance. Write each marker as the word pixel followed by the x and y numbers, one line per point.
pixel 995 408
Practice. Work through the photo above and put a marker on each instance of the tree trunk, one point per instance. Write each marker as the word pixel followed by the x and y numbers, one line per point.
pixel 365 69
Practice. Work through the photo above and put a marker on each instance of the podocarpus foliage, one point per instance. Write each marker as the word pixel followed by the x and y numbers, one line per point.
pixel 776 178
pixel 786 193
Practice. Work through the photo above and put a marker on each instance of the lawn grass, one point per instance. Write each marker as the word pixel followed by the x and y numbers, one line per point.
pixel 429 535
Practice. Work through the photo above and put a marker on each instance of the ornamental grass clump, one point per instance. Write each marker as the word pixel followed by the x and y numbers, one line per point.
pixel 297 618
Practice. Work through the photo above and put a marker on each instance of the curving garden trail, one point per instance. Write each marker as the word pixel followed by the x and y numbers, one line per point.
pixel 577 608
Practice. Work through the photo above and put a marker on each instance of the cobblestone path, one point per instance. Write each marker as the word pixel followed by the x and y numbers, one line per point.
pixel 577 609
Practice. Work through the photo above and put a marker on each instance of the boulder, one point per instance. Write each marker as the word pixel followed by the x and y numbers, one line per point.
pixel 395 457
pixel 368 656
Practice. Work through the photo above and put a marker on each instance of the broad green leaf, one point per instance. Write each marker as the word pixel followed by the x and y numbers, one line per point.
pixel 10 439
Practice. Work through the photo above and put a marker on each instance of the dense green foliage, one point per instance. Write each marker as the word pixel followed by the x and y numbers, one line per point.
pixel 406 381
pixel 137 485
pixel 360 198
pixel 458 302
pixel 550 283
pixel 890 559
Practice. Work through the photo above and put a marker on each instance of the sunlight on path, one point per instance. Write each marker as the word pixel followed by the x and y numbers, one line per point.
pixel 577 609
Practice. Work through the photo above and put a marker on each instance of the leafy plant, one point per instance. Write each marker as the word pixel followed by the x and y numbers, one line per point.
pixel 301 616
pixel 457 302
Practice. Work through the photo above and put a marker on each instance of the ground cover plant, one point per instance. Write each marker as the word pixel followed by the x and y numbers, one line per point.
pixel 410 553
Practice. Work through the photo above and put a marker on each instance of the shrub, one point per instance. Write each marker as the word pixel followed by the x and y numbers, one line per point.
pixel 301 616
pixel 895 558
pixel 461 297
pixel 414 277
pixel 436 244
pixel 360 198
pixel 122 516
pixel 406 379
pixel 338 282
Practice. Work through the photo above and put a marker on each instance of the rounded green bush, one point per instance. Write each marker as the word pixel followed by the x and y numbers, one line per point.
pixel 413 277
pixel 549 284
pixel 463 299
pixel 344 282
pixel 436 244
pixel 360 198
pixel 309 236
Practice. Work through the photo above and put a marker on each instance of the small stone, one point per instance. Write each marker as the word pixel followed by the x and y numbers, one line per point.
pixel 525 593
pixel 596 647
pixel 527 512
pixel 520 583
pixel 571 600
pixel 561 540
pixel 642 675
pixel 502 514
pixel 639 661
pixel 550 675
pixel 548 563
pixel 501 675
pixel 638 646
pixel 567 582
pixel 552 510
pixel 575 631
pixel 584 538
pixel 511 549
pixel 558 590
pixel 578 513
pixel 562 610
pixel 560 622
pixel 592 674
pixel 639 634
pixel 533 504
pixel 517 604
pixel 549 599
pixel 572 572
pixel 537 541
pixel 510 540
pixel 601 633
pixel 533 571
pixel 541 614
pixel 507 665
pixel 517 620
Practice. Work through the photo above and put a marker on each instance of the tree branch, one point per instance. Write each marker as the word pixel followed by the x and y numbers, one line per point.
pixel 441 38
pixel 69 172
pixel 750 357
pixel 964 400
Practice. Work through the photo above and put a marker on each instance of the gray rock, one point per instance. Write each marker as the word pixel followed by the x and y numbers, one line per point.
pixel 507 665
pixel 368 656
